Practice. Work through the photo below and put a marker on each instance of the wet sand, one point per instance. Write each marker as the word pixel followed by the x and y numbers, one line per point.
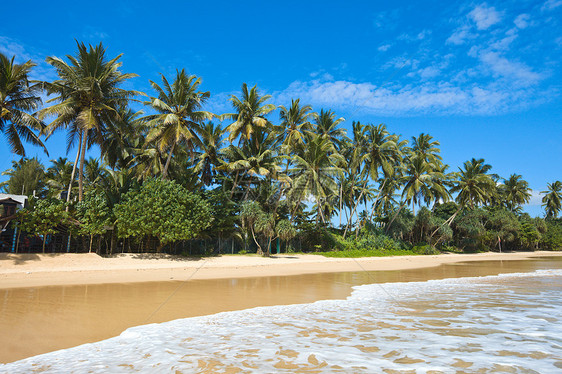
pixel 32 270
pixel 36 320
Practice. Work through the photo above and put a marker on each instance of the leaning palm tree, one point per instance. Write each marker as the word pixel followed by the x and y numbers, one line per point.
pixel 17 98
pixel 179 117
pixel 87 95
pixel 515 192
pixel 251 111
pixel 552 200
pixel 473 187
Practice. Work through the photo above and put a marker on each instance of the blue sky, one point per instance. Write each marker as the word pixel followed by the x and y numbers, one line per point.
pixel 483 78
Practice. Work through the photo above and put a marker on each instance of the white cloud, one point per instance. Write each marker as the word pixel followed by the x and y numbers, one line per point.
pixel 384 47
pixel 438 98
pixel 42 71
pixel 484 16
pixel 551 4
pixel 536 198
pixel 460 36
pixel 517 72
pixel 522 21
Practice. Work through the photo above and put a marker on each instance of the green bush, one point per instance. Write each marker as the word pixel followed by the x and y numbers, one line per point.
pixel 425 249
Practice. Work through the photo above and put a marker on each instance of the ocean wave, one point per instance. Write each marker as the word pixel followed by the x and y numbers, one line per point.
pixel 508 322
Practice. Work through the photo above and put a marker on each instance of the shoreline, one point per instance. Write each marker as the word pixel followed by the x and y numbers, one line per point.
pixel 38 270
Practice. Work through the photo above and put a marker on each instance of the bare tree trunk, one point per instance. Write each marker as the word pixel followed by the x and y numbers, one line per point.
pixel 81 174
pixel 393 218
pixel 73 171
pixel 44 240
pixel 260 251
pixel 165 171
pixel 377 200
pixel 355 207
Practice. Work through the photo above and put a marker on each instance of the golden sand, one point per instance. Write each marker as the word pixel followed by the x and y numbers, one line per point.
pixel 58 301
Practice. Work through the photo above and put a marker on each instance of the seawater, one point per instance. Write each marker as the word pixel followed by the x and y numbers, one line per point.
pixel 508 323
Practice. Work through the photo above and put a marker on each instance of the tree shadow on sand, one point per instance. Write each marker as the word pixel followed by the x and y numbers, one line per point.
pixel 22 258
pixel 155 256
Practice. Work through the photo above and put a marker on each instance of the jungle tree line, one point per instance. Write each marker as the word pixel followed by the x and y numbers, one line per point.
pixel 253 176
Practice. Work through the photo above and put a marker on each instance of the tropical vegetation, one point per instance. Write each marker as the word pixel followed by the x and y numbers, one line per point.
pixel 176 177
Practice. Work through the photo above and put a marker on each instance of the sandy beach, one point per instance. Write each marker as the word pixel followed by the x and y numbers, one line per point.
pixel 58 301
pixel 34 270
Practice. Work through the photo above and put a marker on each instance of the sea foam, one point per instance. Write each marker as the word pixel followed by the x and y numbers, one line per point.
pixel 506 323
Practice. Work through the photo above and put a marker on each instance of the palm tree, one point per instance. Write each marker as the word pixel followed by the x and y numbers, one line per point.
pixel 251 112
pixel 58 176
pixel 315 172
pixel 26 177
pixel 180 117
pixel 424 147
pixel 251 163
pixel 515 192
pixel 210 155
pixel 326 125
pixel 473 185
pixel 17 98
pixel 422 181
pixel 87 96
pixel 124 136
pixel 552 200
pixel 294 123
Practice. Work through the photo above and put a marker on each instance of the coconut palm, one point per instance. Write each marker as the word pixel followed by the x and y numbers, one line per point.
pixel 26 177
pixel 87 95
pixel 424 147
pixel 180 116
pixel 251 163
pixel 326 125
pixel 473 185
pixel 58 176
pixel 124 136
pixel 515 192
pixel 552 199
pixel 210 155
pixel 251 112
pixel 315 171
pixel 17 98
pixel 294 123
pixel 421 182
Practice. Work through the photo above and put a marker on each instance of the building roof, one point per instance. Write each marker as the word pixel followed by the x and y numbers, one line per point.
pixel 20 199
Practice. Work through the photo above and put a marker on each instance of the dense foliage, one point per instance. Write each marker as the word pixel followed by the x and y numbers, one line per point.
pixel 162 209
pixel 192 181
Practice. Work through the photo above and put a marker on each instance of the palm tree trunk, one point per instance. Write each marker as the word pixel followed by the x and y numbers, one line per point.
pixel 73 171
pixel 81 173
pixel 260 251
pixel 377 200
pixel 165 172
pixel 355 207
pixel 447 222
pixel 393 218
pixel 234 184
